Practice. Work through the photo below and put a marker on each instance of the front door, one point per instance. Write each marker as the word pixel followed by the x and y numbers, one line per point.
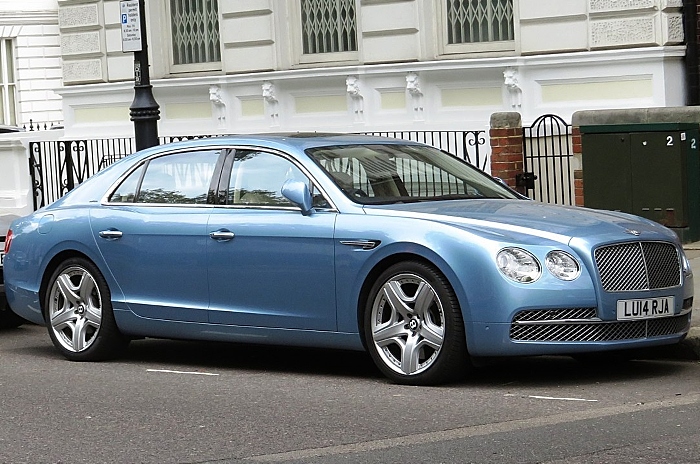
pixel 269 266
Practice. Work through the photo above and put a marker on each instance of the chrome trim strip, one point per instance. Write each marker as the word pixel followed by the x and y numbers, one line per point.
pixel 104 201
pixel 364 244
pixel 561 321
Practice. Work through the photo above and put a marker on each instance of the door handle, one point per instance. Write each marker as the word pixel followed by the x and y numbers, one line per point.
pixel 111 234
pixel 222 235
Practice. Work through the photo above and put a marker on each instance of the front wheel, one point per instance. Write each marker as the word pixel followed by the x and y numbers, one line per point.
pixel 79 313
pixel 413 326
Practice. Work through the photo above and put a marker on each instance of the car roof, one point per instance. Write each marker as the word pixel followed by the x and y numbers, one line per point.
pixel 298 140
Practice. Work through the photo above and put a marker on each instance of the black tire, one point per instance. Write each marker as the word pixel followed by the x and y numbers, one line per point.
pixel 8 319
pixel 78 313
pixel 416 337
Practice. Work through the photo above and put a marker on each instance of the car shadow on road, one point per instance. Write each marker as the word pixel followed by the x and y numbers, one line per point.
pixel 534 371
pixel 252 358
pixel 32 340
pixel 564 370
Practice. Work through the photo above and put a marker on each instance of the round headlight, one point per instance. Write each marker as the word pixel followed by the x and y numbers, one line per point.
pixel 687 270
pixel 518 265
pixel 562 265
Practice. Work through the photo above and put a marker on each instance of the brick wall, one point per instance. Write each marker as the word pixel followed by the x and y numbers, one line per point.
pixel 507 147
pixel 578 173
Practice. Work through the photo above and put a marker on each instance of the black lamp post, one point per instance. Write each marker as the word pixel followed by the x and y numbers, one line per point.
pixel 144 110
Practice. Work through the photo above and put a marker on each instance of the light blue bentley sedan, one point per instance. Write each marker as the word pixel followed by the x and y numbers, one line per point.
pixel 347 242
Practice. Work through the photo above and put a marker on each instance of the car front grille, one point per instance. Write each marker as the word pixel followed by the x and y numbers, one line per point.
pixel 636 266
pixel 557 325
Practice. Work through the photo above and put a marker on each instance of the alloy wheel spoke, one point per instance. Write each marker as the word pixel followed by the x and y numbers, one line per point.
pixel 410 355
pixel 63 318
pixel 67 289
pixel 423 299
pixel 397 299
pixel 86 287
pixel 80 334
pixel 432 335
pixel 390 332
pixel 93 314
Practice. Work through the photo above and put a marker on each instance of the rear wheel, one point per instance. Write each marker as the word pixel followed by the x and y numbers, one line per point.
pixel 79 313
pixel 413 326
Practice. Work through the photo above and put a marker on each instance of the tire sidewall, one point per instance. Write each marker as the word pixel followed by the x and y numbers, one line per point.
pixel 108 339
pixel 452 358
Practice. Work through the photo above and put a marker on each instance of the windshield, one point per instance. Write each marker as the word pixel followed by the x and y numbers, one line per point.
pixel 382 174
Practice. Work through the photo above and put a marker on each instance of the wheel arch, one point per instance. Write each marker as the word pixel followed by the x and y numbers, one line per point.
pixel 51 267
pixel 378 269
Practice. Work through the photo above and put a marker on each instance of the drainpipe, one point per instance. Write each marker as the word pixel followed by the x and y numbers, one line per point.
pixel 692 64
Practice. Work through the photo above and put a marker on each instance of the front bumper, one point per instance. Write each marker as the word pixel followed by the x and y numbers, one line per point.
pixel 567 335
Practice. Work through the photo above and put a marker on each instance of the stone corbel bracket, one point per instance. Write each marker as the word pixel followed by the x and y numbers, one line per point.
pixel 415 93
pixel 271 103
pixel 352 85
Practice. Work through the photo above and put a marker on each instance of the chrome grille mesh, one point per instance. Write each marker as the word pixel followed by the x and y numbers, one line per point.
pixel 548 330
pixel 638 266
pixel 663 264
pixel 555 314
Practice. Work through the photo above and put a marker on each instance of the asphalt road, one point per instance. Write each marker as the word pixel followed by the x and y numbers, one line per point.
pixel 185 402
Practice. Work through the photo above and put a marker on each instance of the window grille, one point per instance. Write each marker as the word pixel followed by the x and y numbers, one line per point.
pixel 328 26
pixel 195 31
pixel 474 21
pixel 8 85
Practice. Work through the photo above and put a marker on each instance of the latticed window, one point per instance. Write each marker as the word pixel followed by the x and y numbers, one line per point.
pixel 474 21
pixel 8 85
pixel 195 31
pixel 329 26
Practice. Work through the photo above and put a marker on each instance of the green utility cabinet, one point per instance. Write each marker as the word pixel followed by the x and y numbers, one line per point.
pixel 651 170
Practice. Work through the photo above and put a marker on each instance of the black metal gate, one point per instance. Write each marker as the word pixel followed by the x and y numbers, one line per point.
pixel 548 161
pixel 58 166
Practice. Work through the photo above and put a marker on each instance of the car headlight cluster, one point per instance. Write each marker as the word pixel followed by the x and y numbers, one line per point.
pixel 523 267
pixel 687 270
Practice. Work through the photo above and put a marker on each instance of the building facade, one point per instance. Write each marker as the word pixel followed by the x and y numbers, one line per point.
pixel 30 63
pixel 227 66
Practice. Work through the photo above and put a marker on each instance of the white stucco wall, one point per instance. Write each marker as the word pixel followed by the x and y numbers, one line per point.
pixel 33 25
pixel 15 182
pixel 566 56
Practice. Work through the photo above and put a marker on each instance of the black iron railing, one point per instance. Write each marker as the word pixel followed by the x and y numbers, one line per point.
pixel 58 166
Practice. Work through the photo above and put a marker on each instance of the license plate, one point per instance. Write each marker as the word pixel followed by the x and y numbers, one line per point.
pixel 2 257
pixel 645 308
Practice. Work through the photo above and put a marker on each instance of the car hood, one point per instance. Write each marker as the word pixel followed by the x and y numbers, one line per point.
pixel 518 219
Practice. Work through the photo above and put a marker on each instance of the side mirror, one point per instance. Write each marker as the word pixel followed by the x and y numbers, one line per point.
pixel 298 193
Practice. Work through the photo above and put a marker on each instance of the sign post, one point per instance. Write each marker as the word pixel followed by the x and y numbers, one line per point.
pixel 144 110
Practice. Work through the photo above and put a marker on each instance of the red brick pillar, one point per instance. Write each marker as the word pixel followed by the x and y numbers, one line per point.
pixel 578 173
pixel 507 147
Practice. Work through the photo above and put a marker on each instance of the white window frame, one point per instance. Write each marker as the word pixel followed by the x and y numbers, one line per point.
pixel 316 58
pixel 191 67
pixel 499 47
pixel 8 63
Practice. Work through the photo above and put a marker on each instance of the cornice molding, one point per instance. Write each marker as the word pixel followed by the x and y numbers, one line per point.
pixel 16 18
pixel 638 55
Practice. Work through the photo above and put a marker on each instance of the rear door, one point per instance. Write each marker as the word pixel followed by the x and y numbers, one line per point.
pixel 153 235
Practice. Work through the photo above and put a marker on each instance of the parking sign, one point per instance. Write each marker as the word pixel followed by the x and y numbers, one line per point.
pixel 131 25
